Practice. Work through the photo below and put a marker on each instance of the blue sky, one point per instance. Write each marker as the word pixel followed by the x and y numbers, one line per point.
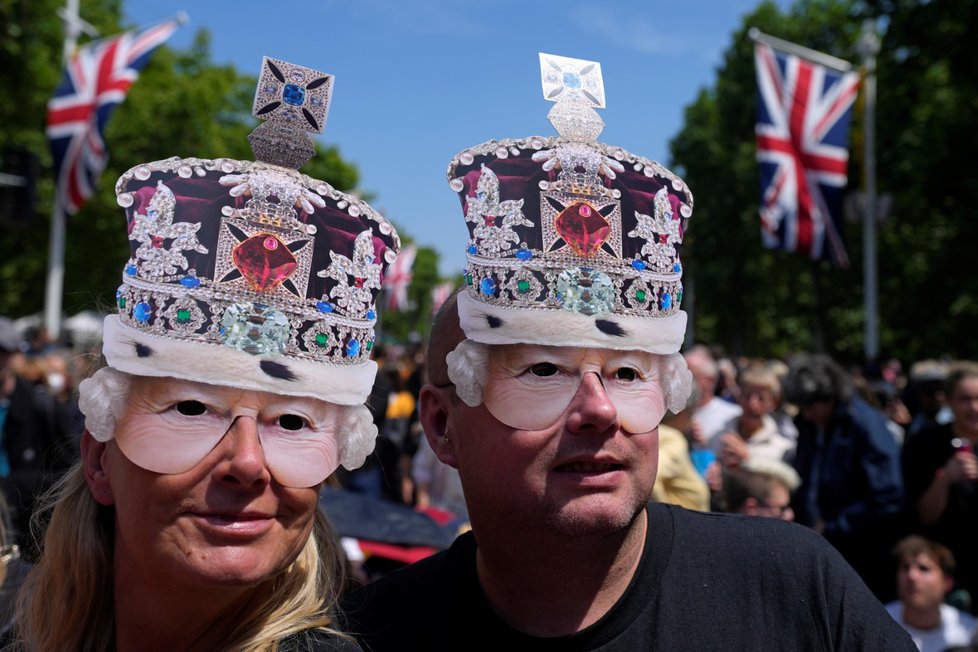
pixel 419 80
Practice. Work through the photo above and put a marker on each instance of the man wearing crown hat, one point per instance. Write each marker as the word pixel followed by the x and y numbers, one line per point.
pixel 549 375
pixel 238 366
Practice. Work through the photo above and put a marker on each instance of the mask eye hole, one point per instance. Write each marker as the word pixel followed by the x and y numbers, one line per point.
pixel 543 369
pixel 626 373
pixel 291 422
pixel 191 408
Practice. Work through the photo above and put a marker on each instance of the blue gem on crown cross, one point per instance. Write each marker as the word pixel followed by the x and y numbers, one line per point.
pixel 292 95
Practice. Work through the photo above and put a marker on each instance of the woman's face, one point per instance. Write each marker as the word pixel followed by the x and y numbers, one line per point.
pixel 224 522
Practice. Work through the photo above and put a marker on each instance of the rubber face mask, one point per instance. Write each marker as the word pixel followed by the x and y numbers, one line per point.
pixel 530 387
pixel 171 428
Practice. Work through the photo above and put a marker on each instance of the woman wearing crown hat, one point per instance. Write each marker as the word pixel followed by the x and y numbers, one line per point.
pixel 237 371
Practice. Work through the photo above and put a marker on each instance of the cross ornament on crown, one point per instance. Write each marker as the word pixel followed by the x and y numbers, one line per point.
pixel 293 101
pixel 576 87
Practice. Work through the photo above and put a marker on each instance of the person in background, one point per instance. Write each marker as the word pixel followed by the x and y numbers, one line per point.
pixel 942 477
pixel 925 576
pixel 760 487
pixel 35 448
pixel 677 481
pixel 926 398
pixel 754 433
pixel 712 413
pixel 851 485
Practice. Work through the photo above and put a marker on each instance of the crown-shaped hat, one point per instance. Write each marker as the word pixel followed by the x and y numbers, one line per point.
pixel 572 242
pixel 250 273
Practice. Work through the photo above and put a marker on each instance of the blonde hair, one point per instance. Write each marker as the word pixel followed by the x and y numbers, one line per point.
pixel 67 603
pixel 3 538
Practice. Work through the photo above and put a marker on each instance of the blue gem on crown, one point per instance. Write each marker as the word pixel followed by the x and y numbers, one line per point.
pixel 572 80
pixel 294 94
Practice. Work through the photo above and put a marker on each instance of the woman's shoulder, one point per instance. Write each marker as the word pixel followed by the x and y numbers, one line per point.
pixel 317 640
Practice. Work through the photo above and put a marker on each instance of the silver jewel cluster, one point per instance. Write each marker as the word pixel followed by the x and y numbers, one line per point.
pixel 194 312
pixel 153 229
pixel 355 277
pixel 494 220
pixel 661 233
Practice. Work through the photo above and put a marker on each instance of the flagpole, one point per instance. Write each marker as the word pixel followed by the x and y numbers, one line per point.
pixel 869 47
pixel 54 287
pixel 799 50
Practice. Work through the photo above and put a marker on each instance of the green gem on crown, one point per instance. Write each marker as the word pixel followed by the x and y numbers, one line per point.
pixel 183 316
pixel 523 286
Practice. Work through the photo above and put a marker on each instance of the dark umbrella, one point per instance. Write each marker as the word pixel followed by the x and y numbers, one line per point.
pixel 375 519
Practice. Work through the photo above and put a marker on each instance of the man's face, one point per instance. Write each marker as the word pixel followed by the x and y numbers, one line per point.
pixel 921 583
pixel 706 382
pixel 777 504
pixel 582 473
pixel 756 401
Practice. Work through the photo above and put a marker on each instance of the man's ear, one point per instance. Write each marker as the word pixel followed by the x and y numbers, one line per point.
pixel 93 454
pixel 434 409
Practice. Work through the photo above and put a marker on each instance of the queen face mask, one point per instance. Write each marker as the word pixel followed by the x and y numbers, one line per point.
pixel 529 387
pixel 170 425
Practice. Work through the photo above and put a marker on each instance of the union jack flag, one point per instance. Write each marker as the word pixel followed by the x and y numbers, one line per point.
pixel 440 294
pixel 399 278
pixel 95 81
pixel 803 114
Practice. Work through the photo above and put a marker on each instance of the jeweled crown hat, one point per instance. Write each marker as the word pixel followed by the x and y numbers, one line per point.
pixel 250 273
pixel 572 242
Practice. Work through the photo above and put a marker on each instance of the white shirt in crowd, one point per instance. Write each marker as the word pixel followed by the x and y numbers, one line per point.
pixel 956 628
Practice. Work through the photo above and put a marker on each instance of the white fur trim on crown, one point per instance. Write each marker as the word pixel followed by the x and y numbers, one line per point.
pixel 549 327
pixel 145 354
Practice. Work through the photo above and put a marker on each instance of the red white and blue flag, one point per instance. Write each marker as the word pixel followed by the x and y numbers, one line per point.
pixel 803 115
pixel 95 81
pixel 398 279
pixel 440 294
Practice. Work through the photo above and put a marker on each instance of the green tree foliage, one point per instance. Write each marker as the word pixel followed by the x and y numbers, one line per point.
pixel 182 105
pixel 758 302
pixel 414 323
pixel 928 109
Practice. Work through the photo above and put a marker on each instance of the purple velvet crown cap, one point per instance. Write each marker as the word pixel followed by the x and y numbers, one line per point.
pixel 571 242
pixel 250 273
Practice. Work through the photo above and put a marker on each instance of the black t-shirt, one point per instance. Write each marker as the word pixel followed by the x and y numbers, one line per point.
pixel 705 582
